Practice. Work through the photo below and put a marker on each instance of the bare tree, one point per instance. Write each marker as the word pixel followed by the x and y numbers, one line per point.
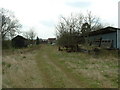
pixel 31 34
pixel 26 35
pixel 70 24
pixel 93 21
pixel 68 30
pixel 9 24
pixel 75 23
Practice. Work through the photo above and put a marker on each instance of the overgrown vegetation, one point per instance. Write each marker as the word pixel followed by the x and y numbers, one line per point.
pixel 6 44
pixel 69 30
pixel 45 67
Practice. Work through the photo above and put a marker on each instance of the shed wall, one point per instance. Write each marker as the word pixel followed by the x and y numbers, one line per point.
pixel 108 36
pixel 118 39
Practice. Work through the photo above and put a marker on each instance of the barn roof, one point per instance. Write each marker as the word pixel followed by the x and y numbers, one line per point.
pixel 103 31
pixel 19 37
pixel 51 38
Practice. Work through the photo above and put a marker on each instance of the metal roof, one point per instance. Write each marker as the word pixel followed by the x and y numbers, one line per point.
pixel 103 31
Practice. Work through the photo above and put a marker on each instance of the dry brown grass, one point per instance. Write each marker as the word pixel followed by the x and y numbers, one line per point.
pixel 20 69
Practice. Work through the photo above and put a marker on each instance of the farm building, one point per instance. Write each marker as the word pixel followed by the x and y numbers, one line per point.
pixel 19 42
pixel 44 41
pixel 108 37
pixel 51 40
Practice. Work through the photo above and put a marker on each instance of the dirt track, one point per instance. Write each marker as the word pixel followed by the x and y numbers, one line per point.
pixel 55 74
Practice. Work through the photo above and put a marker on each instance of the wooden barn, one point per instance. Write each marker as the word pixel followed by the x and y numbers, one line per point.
pixel 108 37
pixel 19 42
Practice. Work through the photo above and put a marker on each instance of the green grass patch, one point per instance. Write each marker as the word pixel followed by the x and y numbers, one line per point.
pixel 85 64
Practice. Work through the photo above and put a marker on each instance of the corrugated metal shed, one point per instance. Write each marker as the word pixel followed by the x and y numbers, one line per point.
pixel 109 35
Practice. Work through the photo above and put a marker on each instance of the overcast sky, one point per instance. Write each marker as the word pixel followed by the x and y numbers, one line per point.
pixel 43 15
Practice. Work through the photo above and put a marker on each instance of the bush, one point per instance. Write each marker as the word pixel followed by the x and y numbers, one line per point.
pixel 6 44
